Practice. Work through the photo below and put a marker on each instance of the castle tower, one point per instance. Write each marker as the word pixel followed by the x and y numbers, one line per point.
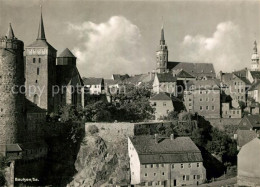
pixel 162 55
pixel 255 59
pixel 40 70
pixel 12 98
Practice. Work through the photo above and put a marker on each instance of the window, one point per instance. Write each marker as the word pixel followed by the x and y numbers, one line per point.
pixel 183 177
pixel 187 177
pixel 207 107
pixel 164 103
pixel 154 174
pixel 154 104
pixel 38 71
pixel 182 166
pixel 207 99
pixel 200 99
pixel 34 60
pixel 242 97
pixel 162 173
pixel 238 112
pixel 157 165
pixel 200 92
pixel 162 165
pixel 212 99
pixel 194 176
pixel 36 81
pixel 198 176
pixel 150 183
pixel 40 60
pixel 145 174
pixel 213 107
pixel 198 164
pixel 172 166
pixel 201 108
pixel 189 165
pixel 145 166
pixel 151 166
pixel 242 90
pixel 234 112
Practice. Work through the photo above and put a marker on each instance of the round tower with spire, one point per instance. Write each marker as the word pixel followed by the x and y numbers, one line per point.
pixel 12 98
pixel 255 59
pixel 162 55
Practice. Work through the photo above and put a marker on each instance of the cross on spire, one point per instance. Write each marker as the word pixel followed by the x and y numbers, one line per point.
pixel 41 32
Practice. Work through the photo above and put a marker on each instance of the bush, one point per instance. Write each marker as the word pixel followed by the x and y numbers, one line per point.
pixel 92 129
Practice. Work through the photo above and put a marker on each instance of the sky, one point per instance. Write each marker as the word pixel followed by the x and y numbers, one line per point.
pixel 122 36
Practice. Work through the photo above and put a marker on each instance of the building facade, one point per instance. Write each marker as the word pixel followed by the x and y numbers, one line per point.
pixel 203 97
pixel 162 104
pixel 165 82
pixel 157 161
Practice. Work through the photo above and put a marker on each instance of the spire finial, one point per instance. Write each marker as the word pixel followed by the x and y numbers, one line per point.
pixel 255 47
pixel 10 32
pixel 41 32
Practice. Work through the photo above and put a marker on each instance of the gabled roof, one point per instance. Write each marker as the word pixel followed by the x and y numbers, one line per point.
pixel 110 82
pixel 141 78
pixel 120 77
pixel 195 69
pixel 178 150
pixel 92 81
pixel 66 54
pixel 245 136
pixel 161 96
pixel 252 121
pixel 166 77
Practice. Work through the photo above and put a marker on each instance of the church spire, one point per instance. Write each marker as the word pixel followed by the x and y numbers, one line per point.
pixel 10 32
pixel 41 33
pixel 162 41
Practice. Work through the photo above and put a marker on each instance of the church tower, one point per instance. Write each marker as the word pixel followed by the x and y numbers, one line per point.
pixel 255 59
pixel 162 55
pixel 12 98
pixel 40 70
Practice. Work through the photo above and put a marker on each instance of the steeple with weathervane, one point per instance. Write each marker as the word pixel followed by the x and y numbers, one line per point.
pixel 162 54
pixel 255 59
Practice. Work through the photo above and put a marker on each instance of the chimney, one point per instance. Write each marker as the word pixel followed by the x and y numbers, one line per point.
pixel 172 136
pixel 156 138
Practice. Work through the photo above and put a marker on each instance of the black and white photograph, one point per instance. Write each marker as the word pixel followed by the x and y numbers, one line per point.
pixel 129 93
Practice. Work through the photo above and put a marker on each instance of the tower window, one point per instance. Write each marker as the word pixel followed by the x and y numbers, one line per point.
pixel 40 60
pixel 34 60
pixel 36 81
pixel 38 71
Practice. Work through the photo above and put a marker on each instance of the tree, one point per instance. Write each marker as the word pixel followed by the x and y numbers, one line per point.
pixel 71 113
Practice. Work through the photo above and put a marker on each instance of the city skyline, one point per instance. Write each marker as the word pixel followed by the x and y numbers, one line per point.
pixel 116 39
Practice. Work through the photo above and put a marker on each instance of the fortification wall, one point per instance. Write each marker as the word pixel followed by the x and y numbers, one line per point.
pixel 11 100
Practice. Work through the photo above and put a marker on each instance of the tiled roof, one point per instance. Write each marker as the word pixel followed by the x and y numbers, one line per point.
pixel 245 136
pixel 92 81
pixel 41 43
pixel 110 81
pixel 66 54
pixel 255 85
pixel 184 74
pixel 161 96
pixel 255 74
pixel 142 78
pixel 210 84
pixel 166 77
pixel 120 77
pixel 241 73
pixel 181 149
pixel 195 69
pixel 252 121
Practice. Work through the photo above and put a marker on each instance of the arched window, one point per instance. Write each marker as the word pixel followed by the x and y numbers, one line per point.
pixel 36 99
